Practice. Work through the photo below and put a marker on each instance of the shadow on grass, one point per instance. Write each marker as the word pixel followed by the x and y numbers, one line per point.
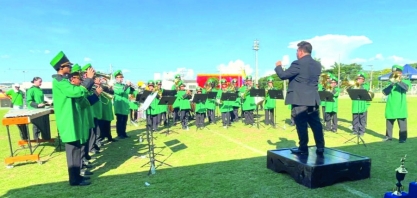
pixel 247 177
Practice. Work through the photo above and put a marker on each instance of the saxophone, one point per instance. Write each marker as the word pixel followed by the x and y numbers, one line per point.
pixel 247 91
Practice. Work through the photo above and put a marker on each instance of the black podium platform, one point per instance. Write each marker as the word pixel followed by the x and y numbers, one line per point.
pixel 319 171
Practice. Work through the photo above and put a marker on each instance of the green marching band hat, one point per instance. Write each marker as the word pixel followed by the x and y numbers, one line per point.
pixel 397 68
pixel 60 60
pixel 199 89
pixel 151 82
pixel 75 71
pixel 248 77
pixel 209 81
pixel 270 79
pixel 177 76
pixel 223 81
pixel 118 72
pixel 334 78
pixel 84 69
pixel 158 82
pixel 362 74
pixel 234 80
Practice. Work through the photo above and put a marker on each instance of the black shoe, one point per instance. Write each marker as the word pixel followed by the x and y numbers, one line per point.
pixel 112 140
pixel 320 151
pixel 401 141
pixel 82 183
pixel 387 139
pixel 86 166
pixel 86 172
pixel 298 151
pixel 87 157
pixel 94 152
pixel 85 178
pixel 121 137
pixel 96 147
pixel 126 136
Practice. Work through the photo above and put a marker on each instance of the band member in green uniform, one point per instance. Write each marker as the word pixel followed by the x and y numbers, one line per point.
pixel 133 106
pixel 176 106
pixel 200 110
pixel 83 108
pixel 224 106
pixel 153 109
pixel 248 103
pixel 332 107
pixel 396 106
pixel 234 114
pixel 270 103
pixel 107 110
pixel 121 103
pixel 63 93
pixel 324 85
pixel 35 100
pixel 211 103
pixel 184 96
pixel 94 112
pixel 359 107
pixel 162 116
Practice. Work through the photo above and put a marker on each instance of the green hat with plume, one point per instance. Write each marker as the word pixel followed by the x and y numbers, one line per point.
pixel 84 69
pixel 151 82
pixel 60 60
pixel 362 74
pixel 270 79
pixel 117 73
pixel 397 68
pixel 248 77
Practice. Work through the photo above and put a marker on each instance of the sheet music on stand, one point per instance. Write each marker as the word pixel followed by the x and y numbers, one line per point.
pixel 148 101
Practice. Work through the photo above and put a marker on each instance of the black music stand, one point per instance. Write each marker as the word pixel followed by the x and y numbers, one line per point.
pixel 277 95
pixel 212 96
pixel 229 97
pixel 325 96
pixel 200 98
pixel 360 95
pixel 170 93
pixel 167 100
pixel 257 93
pixel 151 145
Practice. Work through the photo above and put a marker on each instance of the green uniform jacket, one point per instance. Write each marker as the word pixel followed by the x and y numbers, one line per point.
pixel 248 101
pixel 34 96
pixel 183 100
pixel 176 102
pixel 332 106
pixel 153 108
pixel 107 108
pixel 81 108
pixel 211 103
pixel 396 106
pixel 121 99
pixel 134 105
pixel 17 97
pixel 269 102
pixel 359 106
pixel 97 108
pixel 224 106
pixel 67 120
pixel 367 87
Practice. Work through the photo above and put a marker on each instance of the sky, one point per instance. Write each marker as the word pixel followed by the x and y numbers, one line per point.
pixel 144 37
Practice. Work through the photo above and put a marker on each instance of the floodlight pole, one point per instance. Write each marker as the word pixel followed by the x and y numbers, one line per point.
pixel 256 48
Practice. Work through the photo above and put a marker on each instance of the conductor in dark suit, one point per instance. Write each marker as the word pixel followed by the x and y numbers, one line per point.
pixel 302 94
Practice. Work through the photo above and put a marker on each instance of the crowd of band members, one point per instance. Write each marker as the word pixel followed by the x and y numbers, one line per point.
pixel 84 113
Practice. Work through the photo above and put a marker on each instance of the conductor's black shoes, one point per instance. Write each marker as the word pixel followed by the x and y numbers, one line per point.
pixel 299 151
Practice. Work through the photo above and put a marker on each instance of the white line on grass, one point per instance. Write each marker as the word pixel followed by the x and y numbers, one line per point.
pixel 347 188
pixel 240 143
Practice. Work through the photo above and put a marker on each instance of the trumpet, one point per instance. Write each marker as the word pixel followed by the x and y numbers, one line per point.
pixel 324 82
pixel 395 77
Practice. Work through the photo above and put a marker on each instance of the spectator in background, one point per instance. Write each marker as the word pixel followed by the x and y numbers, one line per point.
pixel 16 96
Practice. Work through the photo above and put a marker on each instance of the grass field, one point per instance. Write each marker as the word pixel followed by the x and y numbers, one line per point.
pixel 213 163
